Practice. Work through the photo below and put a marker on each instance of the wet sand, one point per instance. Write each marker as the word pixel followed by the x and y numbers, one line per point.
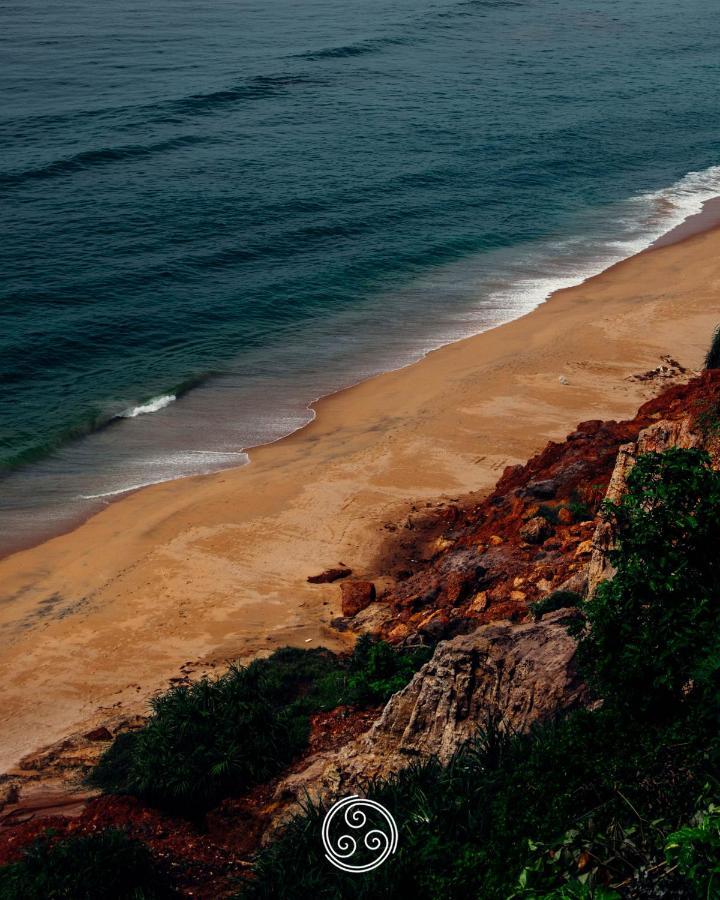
pixel 214 568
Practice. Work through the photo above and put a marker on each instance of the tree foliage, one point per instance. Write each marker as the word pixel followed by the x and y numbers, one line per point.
pixel 654 629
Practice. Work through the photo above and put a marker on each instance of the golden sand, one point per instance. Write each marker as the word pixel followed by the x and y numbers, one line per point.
pixel 215 567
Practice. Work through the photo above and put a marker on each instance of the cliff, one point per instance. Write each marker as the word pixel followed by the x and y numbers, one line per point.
pixel 459 577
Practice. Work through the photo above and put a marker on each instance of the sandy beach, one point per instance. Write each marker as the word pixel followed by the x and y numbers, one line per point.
pixel 214 568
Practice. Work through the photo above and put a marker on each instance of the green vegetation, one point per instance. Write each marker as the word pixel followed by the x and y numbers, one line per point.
pixel 554 600
pixel 614 802
pixel 695 850
pixel 217 737
pixel 549 513
pixel 712 358
pixel 708 419
pixel 108 864
pixel 597 804
pixel 517 815
pixel 654 629
pixel 580 510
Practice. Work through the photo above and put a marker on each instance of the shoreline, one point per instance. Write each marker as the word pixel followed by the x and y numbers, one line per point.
pixel 707 219
pixel 214 566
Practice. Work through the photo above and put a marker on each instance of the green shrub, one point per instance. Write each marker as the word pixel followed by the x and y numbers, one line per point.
pixel 581 807
pixel 207 740
pixel 593 782
pixel 107 865
pixel 712 358
pixel 695 851
pixel 708 419
pixel 654 629
pixel 217 737
pixel 553 601
pixel 376 671
pixel 580 510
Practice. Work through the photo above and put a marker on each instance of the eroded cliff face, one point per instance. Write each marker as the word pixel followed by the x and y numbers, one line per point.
pixel 460 575
pixel 691 430
pixel 512 675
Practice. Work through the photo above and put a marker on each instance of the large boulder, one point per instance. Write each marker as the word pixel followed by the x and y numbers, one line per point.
pixel 356 596
pixel 515 674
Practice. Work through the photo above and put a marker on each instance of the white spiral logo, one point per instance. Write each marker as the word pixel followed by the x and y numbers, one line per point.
pixel 380 842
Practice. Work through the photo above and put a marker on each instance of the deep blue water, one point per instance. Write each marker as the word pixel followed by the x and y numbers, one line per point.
pixel 243 205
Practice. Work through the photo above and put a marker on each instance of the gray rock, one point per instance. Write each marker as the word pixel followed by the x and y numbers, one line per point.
pixel 516 674
pixel 543 490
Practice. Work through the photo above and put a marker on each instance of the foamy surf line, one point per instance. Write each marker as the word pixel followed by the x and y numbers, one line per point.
pixel 644 219
pixel 233 457
pixel 486 291
pixel 151 406
pixel 528 275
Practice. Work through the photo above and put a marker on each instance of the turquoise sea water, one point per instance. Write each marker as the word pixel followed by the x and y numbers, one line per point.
pixel 215 212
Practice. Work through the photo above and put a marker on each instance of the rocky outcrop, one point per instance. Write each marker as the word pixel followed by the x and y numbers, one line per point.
pixel 485 561
pixel 513 674
pixel 457 565
pixel 474 565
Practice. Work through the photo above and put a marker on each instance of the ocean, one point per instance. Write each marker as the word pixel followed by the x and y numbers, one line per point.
pixel 214 213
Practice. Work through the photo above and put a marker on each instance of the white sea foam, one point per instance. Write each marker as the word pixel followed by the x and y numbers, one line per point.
pixel 450 302
pixel 602 238
pixel 151 406
pixel 173 465
pixel 686 196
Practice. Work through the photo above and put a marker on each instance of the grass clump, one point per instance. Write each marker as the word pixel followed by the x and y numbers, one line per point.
pixel 218 737
pixel 108 864
pixel 598 804
pixel 580 510
pixel 376 671
pixel 515 815
pixel 554 600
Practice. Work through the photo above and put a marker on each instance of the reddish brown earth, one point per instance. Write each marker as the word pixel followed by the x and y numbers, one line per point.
pixel 445 570
pixel 468 563
pixel 204 861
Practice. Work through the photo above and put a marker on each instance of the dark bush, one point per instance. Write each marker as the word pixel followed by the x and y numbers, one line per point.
pixel 107 865
pixel 217 737
pixel 712 358
pixel 377 671
pixel 553 601
pixel 695 851
pixel 515 815
pixel 549 513
pixel 598 804
pixel 207 740
pixel 580 510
